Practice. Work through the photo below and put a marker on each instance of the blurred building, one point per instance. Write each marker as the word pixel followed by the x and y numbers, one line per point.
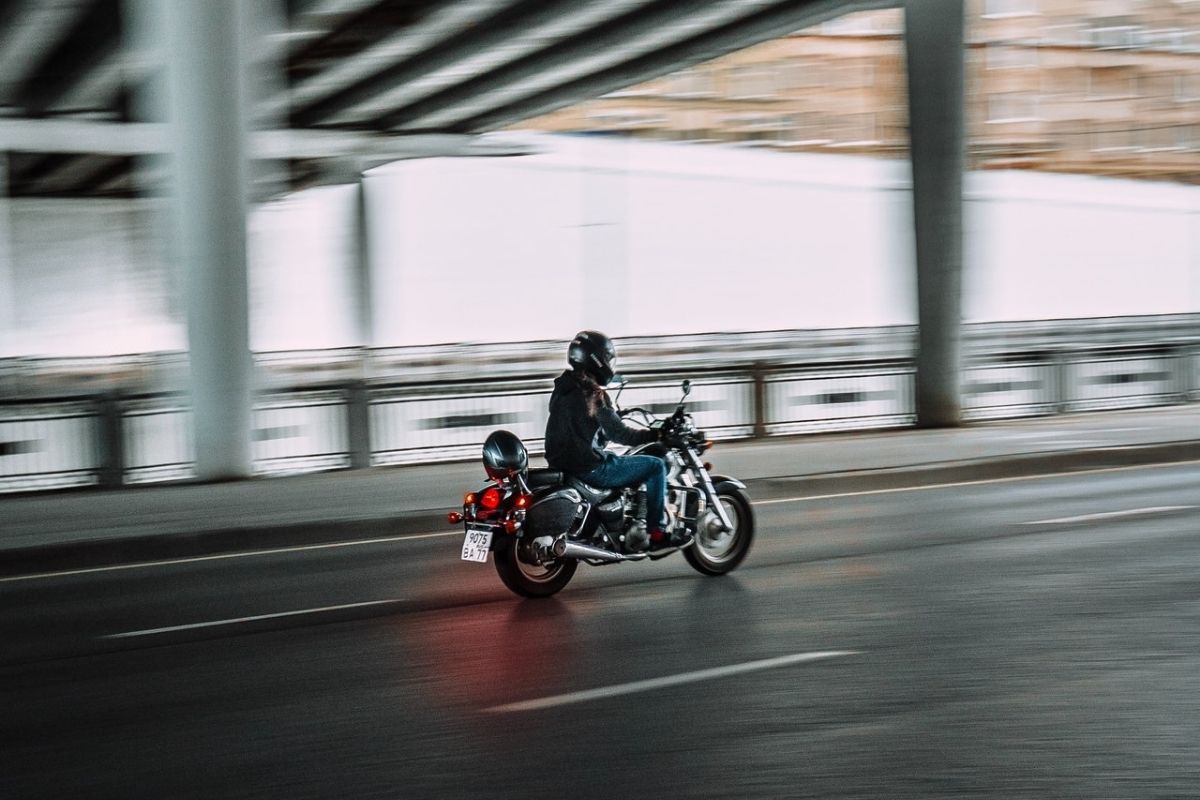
pixel 1108 87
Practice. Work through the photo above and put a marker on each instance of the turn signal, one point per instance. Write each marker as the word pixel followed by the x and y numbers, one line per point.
pixel 490 498
pixel 708 466
pixel 511 525
pixel 454 517
pixel 469 499
pixel 522 501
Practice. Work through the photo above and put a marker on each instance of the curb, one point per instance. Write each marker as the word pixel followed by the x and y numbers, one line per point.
pixel 87 554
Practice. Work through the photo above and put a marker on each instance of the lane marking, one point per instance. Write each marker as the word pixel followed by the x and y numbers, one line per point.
pixel 668 680
pixel 982 481
pixel 221 556
pixel 401 538
pixel 240 620
pixel 1130 512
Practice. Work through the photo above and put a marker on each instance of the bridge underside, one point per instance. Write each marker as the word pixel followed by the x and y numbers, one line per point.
pixel 387 74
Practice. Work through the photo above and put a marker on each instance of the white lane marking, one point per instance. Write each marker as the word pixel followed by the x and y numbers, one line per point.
pixel 668 680
pixel 240 620
pixel 221 556
pixel 980 482
pixel 1129 512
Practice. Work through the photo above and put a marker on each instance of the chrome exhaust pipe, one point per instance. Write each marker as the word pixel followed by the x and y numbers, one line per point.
pixel 565 548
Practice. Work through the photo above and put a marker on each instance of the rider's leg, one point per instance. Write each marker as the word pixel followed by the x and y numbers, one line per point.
pixel 620 471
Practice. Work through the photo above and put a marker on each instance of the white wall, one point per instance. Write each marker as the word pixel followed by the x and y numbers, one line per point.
pixel 1059 246
pixel 87 280
pixel 94 277
pixel 638 238
pixel 302 251
pixel 474 250
pixel 634 238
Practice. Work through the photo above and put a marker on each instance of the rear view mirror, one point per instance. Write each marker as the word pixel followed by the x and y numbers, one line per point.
pixel 618 380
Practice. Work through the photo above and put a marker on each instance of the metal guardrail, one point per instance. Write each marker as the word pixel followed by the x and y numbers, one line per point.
pixel 48 446
pixel 431 365
pixel 111 439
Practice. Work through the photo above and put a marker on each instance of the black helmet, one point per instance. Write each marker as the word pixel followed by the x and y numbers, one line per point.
pixel 504 455
pixel 595 354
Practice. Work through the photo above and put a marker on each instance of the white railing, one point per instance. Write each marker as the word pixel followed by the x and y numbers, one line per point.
pixel 744 385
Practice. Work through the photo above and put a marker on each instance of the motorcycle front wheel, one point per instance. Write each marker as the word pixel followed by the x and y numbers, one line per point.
pixel 715 551
pixel 522 576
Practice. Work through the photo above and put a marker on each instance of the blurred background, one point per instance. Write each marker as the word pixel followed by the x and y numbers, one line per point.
pixel 768 189
pixel 245 238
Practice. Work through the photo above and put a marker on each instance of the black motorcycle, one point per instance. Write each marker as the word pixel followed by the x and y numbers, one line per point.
pixel 542 523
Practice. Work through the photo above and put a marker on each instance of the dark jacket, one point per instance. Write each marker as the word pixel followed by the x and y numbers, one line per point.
pixel 574 438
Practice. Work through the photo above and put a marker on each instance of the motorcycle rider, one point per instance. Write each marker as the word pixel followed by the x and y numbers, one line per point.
pixel 582 419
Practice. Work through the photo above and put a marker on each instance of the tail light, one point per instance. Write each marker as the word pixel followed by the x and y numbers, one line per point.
pixel 490 498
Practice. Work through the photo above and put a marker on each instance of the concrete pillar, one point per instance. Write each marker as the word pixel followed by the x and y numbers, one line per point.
pixel 934 47
pixel 364 307
pixel 8 269
pixel 358 399
pixel 209 169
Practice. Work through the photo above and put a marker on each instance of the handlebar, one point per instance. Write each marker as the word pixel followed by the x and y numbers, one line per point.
pixel 675 429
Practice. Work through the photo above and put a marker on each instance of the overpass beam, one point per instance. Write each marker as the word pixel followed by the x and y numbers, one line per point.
pixel 934 49
pixel 208 136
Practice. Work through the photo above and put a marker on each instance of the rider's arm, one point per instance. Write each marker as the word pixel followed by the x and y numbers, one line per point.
pixel 615 430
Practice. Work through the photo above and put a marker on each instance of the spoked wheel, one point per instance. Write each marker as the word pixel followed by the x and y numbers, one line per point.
pixel 717 551
pixel 517 568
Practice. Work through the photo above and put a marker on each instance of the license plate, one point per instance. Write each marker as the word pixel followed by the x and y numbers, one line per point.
pixel 477 542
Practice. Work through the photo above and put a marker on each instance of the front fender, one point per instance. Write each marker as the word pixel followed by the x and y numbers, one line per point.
pixel 726 479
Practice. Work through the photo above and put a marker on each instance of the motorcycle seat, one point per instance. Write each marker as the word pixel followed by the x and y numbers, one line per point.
pixel 543 477
pixel 590 492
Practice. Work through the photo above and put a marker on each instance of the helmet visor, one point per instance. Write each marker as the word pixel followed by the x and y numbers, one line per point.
pixel 612 369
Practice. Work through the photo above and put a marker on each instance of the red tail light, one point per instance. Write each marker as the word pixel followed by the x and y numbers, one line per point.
pixel 490 498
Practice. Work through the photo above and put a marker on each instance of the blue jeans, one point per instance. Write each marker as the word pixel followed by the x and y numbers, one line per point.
pixel 619 471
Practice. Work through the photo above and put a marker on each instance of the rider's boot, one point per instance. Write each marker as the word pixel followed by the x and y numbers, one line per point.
pixel 670 535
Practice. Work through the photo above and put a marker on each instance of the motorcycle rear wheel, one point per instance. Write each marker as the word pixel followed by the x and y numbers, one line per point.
pixel 527 578
pixel 716 552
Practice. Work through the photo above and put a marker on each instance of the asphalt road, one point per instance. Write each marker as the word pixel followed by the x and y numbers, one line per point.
pixel 1016 638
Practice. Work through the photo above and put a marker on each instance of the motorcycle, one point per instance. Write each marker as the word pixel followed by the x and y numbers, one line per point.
pixel 541 524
